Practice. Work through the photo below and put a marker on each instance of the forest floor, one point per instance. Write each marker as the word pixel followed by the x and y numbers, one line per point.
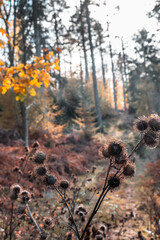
pixel 72 154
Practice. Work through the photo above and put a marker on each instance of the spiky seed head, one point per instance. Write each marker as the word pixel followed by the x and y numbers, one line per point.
pixel 83 219
pixel 35 144
pixel 114 181
pixel 43 235
pixel 115 148
pixel 129 170
pixel 99 237
pixel 81 214
pixel 151 139
pixel 39 157
pixel 141 124
pixel 105 151
pixel 103 228
pixel 16 188
pixel 69 236
pixel 154 123
pixel 41 171
pixel 121 159
pixel 25 196
pixel 64 184
pixel 50 180
pixel 48 221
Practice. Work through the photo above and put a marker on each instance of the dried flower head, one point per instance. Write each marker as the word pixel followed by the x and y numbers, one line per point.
pixel 99 237
pixel 41 171
pixel 43 235
pixel 115 148
pixel 105 151
pixel 103 228
pixel 114 181
pixel 50 180
pixel 48 221
pixel 154 123
pixel 35 144
pixel 129 170
pixel 121 159
pixel 69 236
pixel 141 124
pixel 25 196
pixel 39 157
pixel 16 188
pixel 64 184
pixel 151 139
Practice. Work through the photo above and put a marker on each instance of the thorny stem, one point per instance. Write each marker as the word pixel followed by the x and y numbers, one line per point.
pixel 31 216
pixel 140 143
pixel 70 213
pixel 10 233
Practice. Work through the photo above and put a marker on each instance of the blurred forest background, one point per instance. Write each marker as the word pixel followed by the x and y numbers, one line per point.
pixel 68 80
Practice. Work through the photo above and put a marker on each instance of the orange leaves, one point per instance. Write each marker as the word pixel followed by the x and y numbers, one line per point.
pixel 24 79
pixel 59 49
pixel 3 31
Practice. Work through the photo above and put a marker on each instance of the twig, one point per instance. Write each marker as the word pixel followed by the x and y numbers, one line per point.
pixel 70 213
pixel 140 143
pixel 10 224
pixel 31 216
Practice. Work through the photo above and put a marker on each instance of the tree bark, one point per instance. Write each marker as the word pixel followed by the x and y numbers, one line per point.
pixel 96 95
pixel 102 66
pixel 84 46
pixel 113 76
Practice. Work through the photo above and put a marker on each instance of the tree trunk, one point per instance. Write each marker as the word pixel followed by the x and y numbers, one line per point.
pixel 102 66
pixel 36 29
pixel 96 95
pixel 123 84
pixel 84 46
pixel 114 80
pixel 25 125
pixel 124 64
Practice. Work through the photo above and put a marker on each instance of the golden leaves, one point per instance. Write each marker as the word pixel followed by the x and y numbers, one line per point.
pixel 56 62
pixel 24 79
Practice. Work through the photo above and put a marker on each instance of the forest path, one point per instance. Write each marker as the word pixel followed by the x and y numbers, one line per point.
pixel 128 204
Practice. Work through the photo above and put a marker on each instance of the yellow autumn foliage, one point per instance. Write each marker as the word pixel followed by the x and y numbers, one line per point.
pixel 24 79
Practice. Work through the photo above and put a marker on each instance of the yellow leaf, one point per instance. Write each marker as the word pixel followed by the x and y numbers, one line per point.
pixel 1 62
pixel 17 98
pixel 32 92
pixel 3 90
pixel 50 54
pixel 56 62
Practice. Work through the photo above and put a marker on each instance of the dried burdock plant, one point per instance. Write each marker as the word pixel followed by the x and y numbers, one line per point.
pixel 120 165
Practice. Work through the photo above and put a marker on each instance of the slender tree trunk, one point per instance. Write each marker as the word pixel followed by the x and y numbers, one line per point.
pixel 114 79
pixel 123 84
pixel 24 113
pixel 96 95
pixel 102 66
pixel 124 64
pixel 36 29
pixel 84 46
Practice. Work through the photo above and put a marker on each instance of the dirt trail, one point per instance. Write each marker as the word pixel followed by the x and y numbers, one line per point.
pixel 128 203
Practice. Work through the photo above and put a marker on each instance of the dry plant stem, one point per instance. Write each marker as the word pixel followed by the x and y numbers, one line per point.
pixel 94 211
pixel 70 213
pixel 139 144
pixel 34 221
pixel 10 224
pixel 109 168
